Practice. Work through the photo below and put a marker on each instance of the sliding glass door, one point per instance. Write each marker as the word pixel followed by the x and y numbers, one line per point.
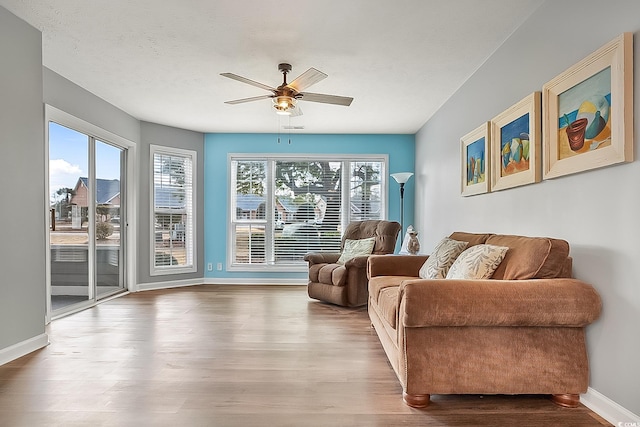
pixel 86 234
pixel 69 223
pixel 109 194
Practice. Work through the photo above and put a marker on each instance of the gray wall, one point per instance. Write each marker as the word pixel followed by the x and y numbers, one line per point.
pixel 596 211
pixel 24 85
pixel 77 101
pixel 22 252
pixel 155 134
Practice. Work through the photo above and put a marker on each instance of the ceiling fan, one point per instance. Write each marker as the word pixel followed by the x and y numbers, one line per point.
pixel 286 96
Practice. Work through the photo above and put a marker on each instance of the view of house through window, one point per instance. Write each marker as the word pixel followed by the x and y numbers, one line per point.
pixel 86 241
pixel 286 207
pixel 173 210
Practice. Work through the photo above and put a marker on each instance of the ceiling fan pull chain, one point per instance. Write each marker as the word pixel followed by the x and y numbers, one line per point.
pixel 278 130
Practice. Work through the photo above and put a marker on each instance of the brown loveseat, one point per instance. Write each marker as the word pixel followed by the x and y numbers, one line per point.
pixel 520 332
pixel 346 284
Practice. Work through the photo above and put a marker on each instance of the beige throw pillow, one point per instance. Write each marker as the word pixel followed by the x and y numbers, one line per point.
pixel 440 260
pixel 477 262
pixel 354 248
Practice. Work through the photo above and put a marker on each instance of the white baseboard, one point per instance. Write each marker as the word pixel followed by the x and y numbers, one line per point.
pixel 23 348
pixel 254 281
pixel 168 284
pixel 218 281
pixel 608 409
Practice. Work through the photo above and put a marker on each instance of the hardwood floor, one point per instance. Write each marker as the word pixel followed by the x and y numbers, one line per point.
pixel 233 356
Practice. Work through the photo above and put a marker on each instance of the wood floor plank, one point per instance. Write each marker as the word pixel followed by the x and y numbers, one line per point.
pixel 233 356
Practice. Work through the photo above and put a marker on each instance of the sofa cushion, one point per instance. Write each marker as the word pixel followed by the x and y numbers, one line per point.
pixel 354 248
pixel 378 283
pixel 388 305
pixel 477 262
pixel 332 274
pixel 384 232
pixel 441 259
pixel 530 257
pixel 314 271
pixel 472 238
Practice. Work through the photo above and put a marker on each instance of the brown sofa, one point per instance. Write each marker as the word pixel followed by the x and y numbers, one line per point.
pixel 520 332
pixel 346 284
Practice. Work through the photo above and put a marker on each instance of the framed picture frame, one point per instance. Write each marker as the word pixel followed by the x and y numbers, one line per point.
pixel 515 144
pixel 588 112
pixel 475 160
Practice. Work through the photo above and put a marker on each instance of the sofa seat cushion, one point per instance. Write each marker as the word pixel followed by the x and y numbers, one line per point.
pixel 378 283
pixel 530 257
pixel 388 305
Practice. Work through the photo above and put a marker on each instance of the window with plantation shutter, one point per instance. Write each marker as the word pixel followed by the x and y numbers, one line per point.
pixel 173 210
pixel 249 212
pixel 284 206
pixel 366 197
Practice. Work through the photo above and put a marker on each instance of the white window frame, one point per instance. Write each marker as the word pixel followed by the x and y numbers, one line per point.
pixel 271 159
pixel 190 241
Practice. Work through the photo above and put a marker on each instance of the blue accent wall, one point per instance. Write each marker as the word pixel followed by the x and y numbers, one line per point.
pixel 399 148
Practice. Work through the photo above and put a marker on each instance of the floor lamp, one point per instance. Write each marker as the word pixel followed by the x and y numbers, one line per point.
pixel 402 178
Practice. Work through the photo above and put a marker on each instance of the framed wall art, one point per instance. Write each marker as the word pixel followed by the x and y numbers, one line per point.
pixel 515 144
pixel 588 112
pixel 475 161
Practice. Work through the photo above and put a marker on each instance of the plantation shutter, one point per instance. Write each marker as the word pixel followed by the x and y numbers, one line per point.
pixel 308 200
pixel 173 210
pixel 365 191
pixel 285 207
pixel 249 212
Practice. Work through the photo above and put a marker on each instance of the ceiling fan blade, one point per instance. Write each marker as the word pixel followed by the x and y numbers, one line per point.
pixel 306 79
pixel 243 100
pixel 327 99
pixel 247 81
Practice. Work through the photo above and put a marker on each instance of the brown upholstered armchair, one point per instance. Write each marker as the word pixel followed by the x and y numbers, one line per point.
pixel 347 284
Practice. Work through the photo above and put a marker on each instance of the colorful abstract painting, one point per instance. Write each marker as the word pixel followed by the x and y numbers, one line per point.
pixel 476 162
pixel 584 116
pixel 515 146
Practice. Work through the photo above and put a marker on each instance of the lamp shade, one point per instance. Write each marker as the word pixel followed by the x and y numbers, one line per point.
pixel 284 104
pixel 402 177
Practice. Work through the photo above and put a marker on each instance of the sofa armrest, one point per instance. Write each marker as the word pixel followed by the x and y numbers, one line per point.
pixel 357 262
pixel 321 257
pixel 536 302
pixel 395 265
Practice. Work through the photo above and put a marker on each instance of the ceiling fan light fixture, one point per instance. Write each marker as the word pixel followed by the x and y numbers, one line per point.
pixel 284 104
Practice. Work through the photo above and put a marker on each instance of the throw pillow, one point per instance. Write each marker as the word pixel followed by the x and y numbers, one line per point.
pixel 477 262
pixel 440 260
pixel 354 248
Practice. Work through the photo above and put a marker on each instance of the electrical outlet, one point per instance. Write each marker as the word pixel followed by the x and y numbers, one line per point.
pixel 219 266
pixel 210 267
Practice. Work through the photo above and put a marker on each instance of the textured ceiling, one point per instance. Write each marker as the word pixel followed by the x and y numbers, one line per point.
pixel 161 61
